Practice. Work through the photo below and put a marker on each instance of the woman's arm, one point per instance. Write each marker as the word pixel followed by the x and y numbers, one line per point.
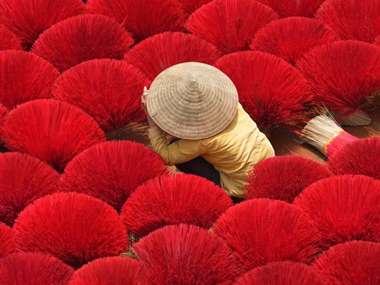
pixel 178 152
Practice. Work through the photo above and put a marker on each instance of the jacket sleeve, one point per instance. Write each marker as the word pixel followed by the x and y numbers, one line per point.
pixel 178 152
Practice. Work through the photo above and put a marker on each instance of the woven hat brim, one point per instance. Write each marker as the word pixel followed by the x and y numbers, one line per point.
pixel 192 101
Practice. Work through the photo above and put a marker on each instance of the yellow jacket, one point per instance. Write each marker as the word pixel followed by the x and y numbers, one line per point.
pixel 233 152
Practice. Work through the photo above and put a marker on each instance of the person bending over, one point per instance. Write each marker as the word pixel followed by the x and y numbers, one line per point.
pixel 197 124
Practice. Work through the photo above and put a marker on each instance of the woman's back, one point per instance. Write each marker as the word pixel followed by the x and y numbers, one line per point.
pixel 236 150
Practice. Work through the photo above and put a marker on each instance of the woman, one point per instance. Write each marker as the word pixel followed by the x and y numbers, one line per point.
pixel 197 105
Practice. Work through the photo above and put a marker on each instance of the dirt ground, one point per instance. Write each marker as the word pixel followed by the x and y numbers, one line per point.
pixel 284 143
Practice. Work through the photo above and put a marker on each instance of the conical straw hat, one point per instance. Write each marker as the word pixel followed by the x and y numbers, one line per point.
pixel 192 101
